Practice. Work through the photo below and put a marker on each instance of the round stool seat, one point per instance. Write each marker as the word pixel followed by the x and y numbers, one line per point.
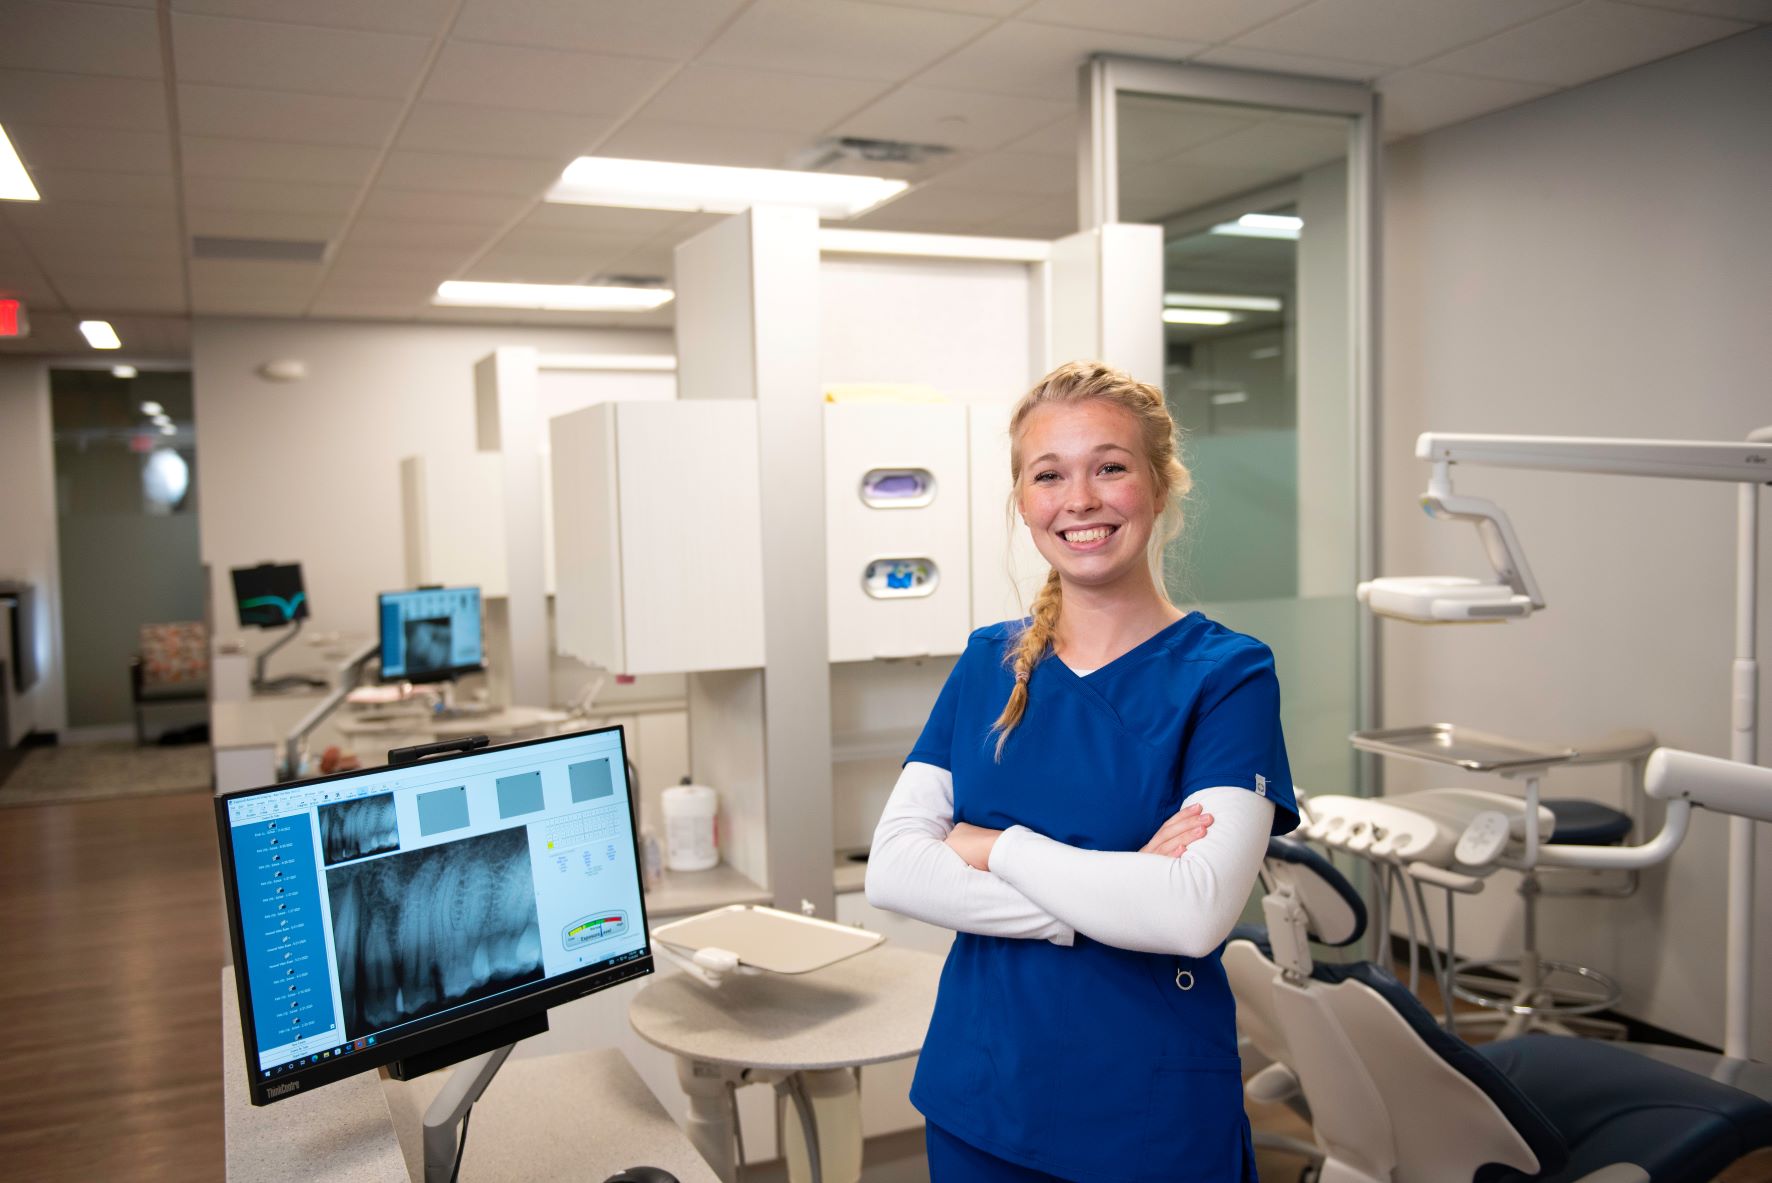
pixel 1587 823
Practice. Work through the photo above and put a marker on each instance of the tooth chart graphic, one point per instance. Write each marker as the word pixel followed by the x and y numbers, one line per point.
pixel 355 829
pixel 428 929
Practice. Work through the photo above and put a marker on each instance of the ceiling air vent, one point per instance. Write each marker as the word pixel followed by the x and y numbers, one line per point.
pixel 261 250
pixel 847 152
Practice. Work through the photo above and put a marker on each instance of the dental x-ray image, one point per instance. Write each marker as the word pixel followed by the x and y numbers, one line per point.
pixel 356 829
pixel 419 932
pixel 428 644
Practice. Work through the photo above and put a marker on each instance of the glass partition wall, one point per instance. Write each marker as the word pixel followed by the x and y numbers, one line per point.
pixel 1263 187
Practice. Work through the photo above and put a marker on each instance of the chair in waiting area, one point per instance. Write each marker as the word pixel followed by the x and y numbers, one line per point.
pixel 171 665
pixel 1393 1098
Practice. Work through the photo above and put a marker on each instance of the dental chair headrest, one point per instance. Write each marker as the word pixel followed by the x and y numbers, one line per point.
pixel 1337 915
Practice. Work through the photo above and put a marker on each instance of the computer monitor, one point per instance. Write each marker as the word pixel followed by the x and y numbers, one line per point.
pixel 431 634
pixel 269 595
pixel 424 912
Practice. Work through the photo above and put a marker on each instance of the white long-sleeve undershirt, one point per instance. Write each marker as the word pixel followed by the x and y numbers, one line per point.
pixel 1041 888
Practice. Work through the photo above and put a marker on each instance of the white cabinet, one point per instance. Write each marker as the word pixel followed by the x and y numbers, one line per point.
pixel 896 530
pixel 657 534
pixel 453 514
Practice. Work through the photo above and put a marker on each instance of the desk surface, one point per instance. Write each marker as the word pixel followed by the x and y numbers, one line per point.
pixel 579 1117
pixel 866 1010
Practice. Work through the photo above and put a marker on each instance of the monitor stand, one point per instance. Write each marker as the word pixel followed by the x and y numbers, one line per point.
pixel 262 683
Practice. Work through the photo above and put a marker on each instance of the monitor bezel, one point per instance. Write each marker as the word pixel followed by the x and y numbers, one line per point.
pixel 431 677
pixel 536 998
pixel 301 612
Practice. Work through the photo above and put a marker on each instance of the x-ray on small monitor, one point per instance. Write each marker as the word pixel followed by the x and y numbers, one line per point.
pixel 430 634
pixel 269 595
pixel 422 912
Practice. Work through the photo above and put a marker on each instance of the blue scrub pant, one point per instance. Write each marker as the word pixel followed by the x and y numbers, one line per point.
pixel 954 1161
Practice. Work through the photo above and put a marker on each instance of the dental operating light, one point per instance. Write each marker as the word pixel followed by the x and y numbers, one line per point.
pixel 1736 785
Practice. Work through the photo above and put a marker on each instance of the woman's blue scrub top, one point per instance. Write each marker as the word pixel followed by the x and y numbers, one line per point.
pixel 1091 1062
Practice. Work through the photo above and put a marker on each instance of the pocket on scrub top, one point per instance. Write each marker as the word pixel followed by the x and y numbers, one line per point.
pixel 1195 1126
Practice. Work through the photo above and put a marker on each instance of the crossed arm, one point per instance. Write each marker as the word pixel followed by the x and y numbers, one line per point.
pixel 1179 894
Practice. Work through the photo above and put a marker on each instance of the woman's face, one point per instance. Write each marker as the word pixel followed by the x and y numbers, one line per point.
pixel 1086 492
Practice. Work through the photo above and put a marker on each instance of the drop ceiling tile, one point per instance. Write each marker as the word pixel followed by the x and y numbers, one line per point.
pixel 278 302
pixel 958 119
pixel 652 260
pixel 1047 218
pixel 1420 100
pixel 673 29
pixel 82 100
pixel 1585 42
pixel 106 188
pixel 934 209
pixel 123 238
pixel 701 143
pixel 549 240
pixel 381 16
pixel 1184 20
pixel 358 257
pixel 512 267
pixel 1747 10
pixel 440 172
pixel 542 79
pixel 223 51
pixel 124 294
pixel 974 7
pixel 91 148
pixel 269 160
pixel 640 224
pixel 348 305
pixel 1391 32
pixel 772 100
pixel 1155 128
pixel 1055 139
pixel 274 196
pixel 50 333
pixel 85 257
pixel 500 131
pixel 80 38
pixel 845 38
pixel 1040 61
pixel 1243 57
pixel 1013 172
pixel 240 223
pixel 464 238
pixel 248 114
pixel 243 274
pixel 460 208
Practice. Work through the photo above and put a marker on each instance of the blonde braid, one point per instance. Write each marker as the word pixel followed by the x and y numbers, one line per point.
pixel 1034 641
pixel 1072 383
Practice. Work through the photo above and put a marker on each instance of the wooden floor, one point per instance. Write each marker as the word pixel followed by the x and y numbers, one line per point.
pixel 111 1044
pixel 110 914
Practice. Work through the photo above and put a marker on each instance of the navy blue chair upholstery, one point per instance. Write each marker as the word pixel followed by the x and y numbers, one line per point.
pixel 1587 823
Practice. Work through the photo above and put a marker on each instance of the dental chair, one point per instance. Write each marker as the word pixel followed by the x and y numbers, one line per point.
pixel 1393 1098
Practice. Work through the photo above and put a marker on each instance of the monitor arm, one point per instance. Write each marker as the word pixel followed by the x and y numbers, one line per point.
pixel 350 671
pixel 258 664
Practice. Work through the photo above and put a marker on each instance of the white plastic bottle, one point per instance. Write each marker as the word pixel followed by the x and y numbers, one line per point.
pixel 691 821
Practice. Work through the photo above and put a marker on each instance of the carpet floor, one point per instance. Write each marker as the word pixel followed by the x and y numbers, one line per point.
pixel 103 771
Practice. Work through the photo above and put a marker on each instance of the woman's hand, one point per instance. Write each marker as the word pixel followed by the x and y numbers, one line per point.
pixel 973 843
pixel 1184 828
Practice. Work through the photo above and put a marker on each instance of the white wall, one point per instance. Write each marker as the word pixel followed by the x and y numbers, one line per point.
pixel 28 549
pixel 1594 263
pixel 309 471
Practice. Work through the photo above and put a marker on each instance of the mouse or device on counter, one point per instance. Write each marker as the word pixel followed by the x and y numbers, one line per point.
pixel 642 1175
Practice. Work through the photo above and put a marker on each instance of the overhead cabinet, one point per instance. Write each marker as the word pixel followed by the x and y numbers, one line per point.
pixel 453 513
pixel 657 535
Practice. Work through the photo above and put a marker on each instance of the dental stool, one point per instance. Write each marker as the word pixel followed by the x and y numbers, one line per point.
pixel 1530 992
pixel 1393 1098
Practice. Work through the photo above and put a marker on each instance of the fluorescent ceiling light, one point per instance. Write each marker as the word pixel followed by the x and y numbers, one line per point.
pixel 162 419
pixel 15 182
pixel 1204 300
pixel 1262 226
pixel 151 409
pixel 717 189
pixel 100 335
pixel 1230 398
pixel 932 246
pixel 1199 316
pixel 560 297
pixel 122 371
pixel 168 429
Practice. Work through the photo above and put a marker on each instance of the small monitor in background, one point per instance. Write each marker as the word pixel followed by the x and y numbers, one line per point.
pixel 431 634
pixel 269 595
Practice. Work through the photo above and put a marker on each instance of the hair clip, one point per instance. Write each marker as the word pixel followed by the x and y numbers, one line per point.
pixel 1021 676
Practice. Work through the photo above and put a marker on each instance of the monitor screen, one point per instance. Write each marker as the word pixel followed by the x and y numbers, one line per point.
pixel 387 913
pixel 431 634
pixel 269 595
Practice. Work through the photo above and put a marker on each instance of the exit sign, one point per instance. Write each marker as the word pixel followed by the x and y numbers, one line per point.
pixel 12 319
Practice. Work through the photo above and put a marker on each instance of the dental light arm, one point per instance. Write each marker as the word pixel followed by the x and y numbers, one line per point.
pixel 1500 544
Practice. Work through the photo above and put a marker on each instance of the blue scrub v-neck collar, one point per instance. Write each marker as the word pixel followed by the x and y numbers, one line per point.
pixel 1149 644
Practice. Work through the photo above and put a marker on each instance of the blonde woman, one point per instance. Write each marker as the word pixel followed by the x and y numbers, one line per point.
pixel 1088 806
